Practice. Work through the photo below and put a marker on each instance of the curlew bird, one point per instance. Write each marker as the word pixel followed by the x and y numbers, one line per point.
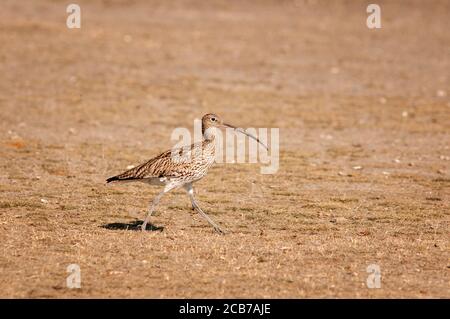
pixel 181 167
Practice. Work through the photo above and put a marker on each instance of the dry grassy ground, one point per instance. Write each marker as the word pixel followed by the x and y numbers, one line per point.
pixel 78 106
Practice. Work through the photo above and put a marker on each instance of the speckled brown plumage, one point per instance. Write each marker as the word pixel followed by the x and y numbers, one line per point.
pixel 185 164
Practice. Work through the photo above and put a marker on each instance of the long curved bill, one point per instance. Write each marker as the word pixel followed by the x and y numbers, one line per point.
pixel 245 133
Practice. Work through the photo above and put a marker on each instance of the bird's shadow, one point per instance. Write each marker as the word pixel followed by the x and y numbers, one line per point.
pixel 133 225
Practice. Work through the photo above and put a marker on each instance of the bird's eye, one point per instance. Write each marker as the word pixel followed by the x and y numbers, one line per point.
pixel 213 119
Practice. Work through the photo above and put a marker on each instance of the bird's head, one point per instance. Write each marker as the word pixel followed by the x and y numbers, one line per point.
pixel 211 122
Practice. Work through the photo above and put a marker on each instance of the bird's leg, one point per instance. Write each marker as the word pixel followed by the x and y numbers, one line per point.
pixel 210 221
pixel 190 191
pixel 152 207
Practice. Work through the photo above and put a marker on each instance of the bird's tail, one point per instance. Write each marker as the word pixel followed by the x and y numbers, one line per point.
pixel 125 176
pixel 120 178
pixel 112 179
pixel 133 174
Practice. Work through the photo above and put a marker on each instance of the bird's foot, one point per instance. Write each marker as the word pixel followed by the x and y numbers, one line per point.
pixel 219 231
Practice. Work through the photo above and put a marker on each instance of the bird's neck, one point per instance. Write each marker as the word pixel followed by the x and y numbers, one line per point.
pixel 209 134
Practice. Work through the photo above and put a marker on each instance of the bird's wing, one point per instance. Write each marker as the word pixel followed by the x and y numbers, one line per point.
pixel 170 163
